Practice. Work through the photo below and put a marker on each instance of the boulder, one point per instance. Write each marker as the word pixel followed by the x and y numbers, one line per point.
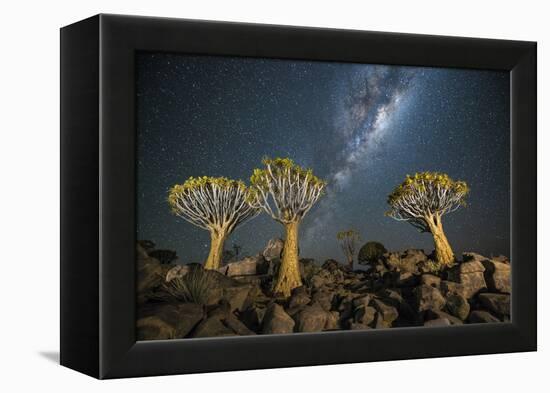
pixel 274 249
pixel 332 265
pixel 236 296
pixel 438 314
pixel 308 268
pixel 451 287
pixel 360 326
pixel 299 297
pixel 311 319
pixel 362 301
pixel 458 306
pixel 406 261
pixel 248 266
pixel 323 298
pixel 333 321
pixel 428 298
pixel 437 322
pixel 501 258
pixel 470 275
pixel 364 315
pixel 479 316
pixel 252 317
pixel 181 318
pixel 430 280
pixel 154 328
pixel 386 313
pixel 497 276
pixel 496 303
pixel 405 279
pixel 212 327
pixel 237 326
pixel 277 321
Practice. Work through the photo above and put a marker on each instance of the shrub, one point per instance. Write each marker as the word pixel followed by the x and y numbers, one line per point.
pixel 371 252
pixel 194 287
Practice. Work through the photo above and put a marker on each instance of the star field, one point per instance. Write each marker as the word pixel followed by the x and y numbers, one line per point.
pixel 360 127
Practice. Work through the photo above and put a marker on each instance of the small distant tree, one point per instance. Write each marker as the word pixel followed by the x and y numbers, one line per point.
pixel 286 192
pixel 237 250
pixel 422 200
pixel 348 243
pixel 216 204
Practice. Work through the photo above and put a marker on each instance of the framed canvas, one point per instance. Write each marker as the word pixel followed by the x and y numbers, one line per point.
pixel 239 196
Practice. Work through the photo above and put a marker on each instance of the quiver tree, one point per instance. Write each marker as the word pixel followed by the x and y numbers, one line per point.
pixel 286 192
pixel 216 204
pixel 422 200
pixel 348 243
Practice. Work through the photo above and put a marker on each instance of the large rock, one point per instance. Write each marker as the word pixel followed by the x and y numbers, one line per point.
pixel 458 306
pixel 311 319
pixel 332 265
pixel 252 317
pixel 386 313
pixel 308 268
pixel 430 280
pixel 212 327
pixel 237 326
pixel 406 261
pixel 451 287
pixel 154 328
pixel 155 321
pixel 323 298
pixel 428 298
pixel 248 266
pixel 479 316
pixel 497 276
pixel 274 249
pixel 277 321
pixel 298 297
pixel 470 275
pixel 438 314
pixel 333 321
pixel 364 315
pixel 437 322
pixel 496 303
pixel 236 296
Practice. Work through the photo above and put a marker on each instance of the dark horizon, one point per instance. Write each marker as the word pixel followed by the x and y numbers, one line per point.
pixel 362 128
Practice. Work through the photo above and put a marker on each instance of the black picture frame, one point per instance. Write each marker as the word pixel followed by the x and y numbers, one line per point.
pixel 98 196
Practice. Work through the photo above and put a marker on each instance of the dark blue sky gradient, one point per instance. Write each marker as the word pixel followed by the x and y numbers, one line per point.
pixel 360 127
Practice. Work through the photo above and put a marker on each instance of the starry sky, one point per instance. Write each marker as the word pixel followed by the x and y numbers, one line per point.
pixel 360 127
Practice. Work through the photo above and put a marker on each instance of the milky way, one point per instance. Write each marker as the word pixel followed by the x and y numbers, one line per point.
pixel 360 127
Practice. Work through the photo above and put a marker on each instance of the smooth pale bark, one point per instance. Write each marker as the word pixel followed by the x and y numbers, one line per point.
pixel 289 277
pixel 217 241
pixel 443 251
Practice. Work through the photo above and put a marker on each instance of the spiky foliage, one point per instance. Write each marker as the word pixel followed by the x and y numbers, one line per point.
pixel 286 192
pixel 371 252
pixel 194 287
pixel 423 199
pixel 211 202
pixel 216 204
pixel 348 243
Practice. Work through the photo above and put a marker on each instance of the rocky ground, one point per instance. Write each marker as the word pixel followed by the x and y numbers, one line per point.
pixel 399 290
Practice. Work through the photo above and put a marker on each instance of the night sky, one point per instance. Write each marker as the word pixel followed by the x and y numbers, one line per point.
pixel 360 127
